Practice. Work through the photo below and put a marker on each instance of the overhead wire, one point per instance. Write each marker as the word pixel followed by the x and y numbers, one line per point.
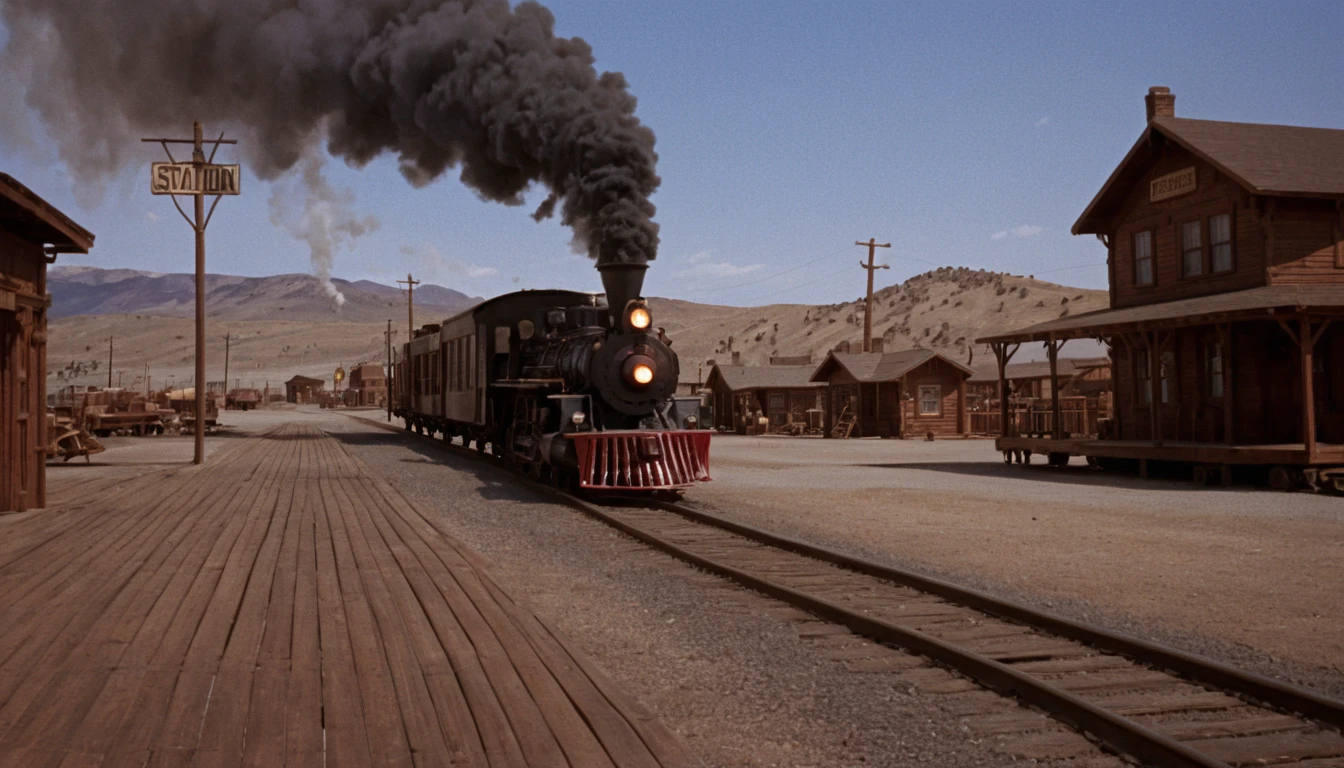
pixel 773 276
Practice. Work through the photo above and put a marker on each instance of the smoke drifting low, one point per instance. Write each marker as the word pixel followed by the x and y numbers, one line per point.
pixel 443 84
pixel 327 219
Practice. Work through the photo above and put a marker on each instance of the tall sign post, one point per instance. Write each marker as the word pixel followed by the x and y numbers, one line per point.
pixel 873 245
pixel 198 178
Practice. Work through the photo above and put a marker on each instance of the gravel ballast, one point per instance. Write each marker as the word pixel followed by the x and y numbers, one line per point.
pixel 1247 575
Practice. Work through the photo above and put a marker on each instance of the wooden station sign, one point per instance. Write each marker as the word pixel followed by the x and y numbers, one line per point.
pixel 182 179
pixel 1172 185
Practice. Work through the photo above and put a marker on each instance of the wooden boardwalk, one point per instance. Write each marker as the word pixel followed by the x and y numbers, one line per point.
pixel 281 606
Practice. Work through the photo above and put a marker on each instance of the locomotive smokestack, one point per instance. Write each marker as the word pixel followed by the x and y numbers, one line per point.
pixel 622 281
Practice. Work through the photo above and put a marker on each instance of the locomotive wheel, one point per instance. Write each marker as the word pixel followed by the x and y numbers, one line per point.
pixel 407 424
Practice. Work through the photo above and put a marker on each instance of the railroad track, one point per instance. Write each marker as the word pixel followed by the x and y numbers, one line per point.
pixel 1156 704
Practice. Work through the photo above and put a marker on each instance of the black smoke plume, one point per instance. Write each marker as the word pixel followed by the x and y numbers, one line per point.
pixel 444 84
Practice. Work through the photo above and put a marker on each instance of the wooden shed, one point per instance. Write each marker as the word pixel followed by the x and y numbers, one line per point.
pixel 1226 268
pixel 303 389
pixel 894 394
pixel 32 234
pixel 783 393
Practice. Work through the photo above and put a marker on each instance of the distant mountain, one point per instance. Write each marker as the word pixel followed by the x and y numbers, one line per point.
pixel 296 297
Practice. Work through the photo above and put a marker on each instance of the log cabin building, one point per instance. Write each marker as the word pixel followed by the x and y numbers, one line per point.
pixel 912 393
pixel 782 393
pixel 1226 271
pixel 32 234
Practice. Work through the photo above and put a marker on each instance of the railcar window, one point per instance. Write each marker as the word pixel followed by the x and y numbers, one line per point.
pixel 450 351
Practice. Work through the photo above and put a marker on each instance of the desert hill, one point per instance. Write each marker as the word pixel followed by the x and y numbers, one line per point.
pixel 945 310
pixel 293 297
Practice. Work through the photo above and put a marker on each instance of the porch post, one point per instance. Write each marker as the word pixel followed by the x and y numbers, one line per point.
pixel 1306 343
pixel 999 349
pixel 1229 404
pixel 962 426
pixel 1154 387
pixel 1056 425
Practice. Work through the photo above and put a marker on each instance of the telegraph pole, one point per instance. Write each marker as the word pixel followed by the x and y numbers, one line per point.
pixel 410 305
pixel 873 245
pixel 227 339
pixel 109 362
pixel 198 178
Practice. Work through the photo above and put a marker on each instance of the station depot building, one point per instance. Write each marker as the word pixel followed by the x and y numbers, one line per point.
pixel 1226 318
pixel 32 234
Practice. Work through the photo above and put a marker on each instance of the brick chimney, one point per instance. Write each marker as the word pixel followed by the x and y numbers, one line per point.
pixel 1160 101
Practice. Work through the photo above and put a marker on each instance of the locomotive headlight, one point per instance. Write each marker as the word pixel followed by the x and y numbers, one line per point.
pixel 639 370
pixel 640 318
pixel 578 417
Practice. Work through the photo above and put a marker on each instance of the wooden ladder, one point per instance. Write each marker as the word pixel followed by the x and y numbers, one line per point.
pixel 844 425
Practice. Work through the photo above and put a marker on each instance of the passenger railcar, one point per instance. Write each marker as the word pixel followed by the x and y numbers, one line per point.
pixel 561 387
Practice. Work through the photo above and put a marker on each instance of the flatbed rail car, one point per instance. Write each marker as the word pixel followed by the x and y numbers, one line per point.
pixel 560 387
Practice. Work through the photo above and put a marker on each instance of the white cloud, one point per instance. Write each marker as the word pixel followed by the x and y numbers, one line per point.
pixel 1021 230
pixel 1044 121
pixel 702 265
pixel 151 217
pixel 435 266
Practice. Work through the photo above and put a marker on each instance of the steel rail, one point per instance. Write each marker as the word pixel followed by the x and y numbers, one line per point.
pixel 1115 731
pixel 1199 669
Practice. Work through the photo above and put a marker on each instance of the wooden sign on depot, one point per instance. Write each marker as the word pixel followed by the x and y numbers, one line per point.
pixel 182 179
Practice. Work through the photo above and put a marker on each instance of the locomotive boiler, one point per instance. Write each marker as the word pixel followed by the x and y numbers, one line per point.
pixel 571 387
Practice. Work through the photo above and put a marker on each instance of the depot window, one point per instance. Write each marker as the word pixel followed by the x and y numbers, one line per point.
pixel 1143 258
pixel 1167 370
pixel 1213 369
pixel 1143 375
pixel 1220 243
pixel 1192 250
pixel 930 399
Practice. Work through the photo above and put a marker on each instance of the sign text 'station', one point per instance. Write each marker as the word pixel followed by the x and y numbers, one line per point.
pixel 182 179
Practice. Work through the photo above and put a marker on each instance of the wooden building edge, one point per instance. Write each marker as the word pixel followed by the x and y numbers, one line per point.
pixel 32 234
pixel 1225 247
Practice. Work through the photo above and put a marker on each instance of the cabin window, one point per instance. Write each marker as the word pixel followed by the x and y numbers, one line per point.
pixel 1167 371
pixel 1192 250
pixel 930 399
pixel 1143 258
pixel 1143 375
pixel 1213 369
pixel 1220 243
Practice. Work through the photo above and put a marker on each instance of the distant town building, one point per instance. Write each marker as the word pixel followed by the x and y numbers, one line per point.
pixel 781 393
pixel 303 389
pixel 895 394
pixel 32 233
pixel 368 382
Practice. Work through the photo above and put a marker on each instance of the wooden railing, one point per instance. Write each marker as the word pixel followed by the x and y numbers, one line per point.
pixel 1078 416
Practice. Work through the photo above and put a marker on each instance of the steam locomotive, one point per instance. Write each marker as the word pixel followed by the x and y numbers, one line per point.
pixel 569 387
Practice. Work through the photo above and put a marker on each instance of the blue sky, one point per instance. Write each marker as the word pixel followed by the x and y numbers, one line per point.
pixel 966 134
